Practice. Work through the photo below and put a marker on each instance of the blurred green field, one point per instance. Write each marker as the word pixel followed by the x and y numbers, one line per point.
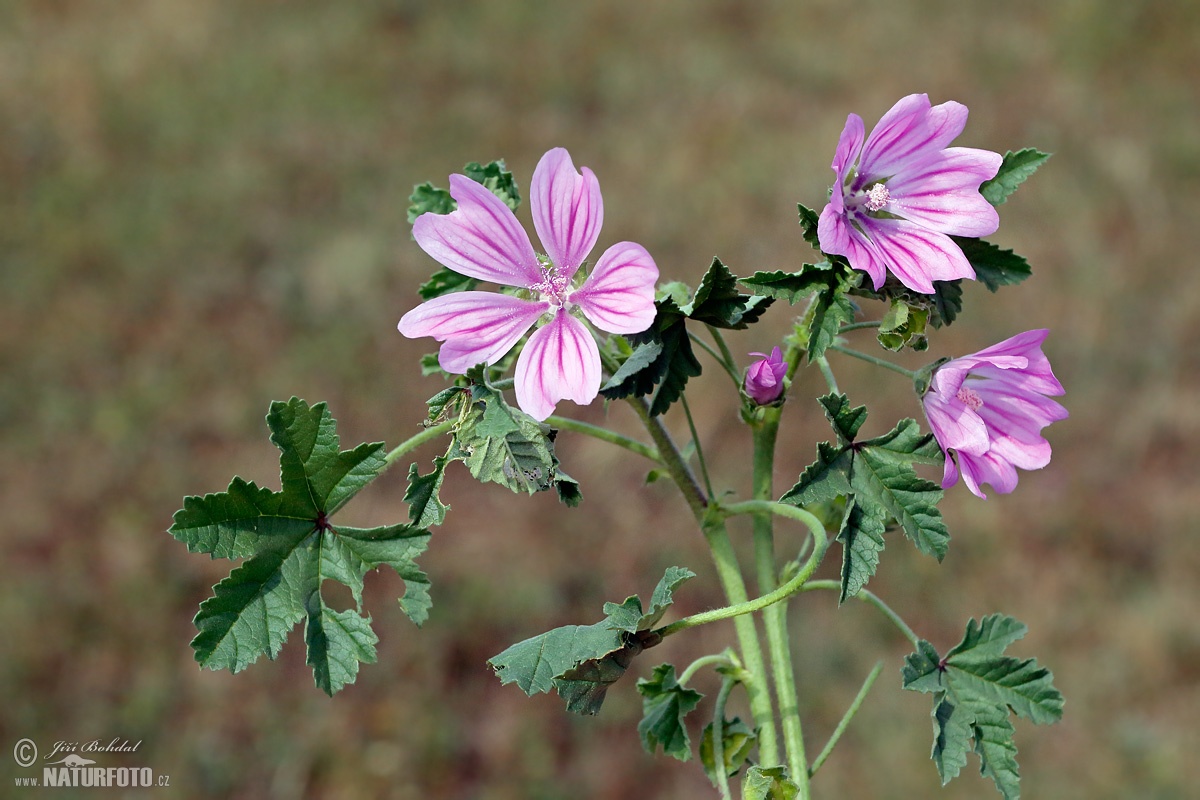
pixel 202 208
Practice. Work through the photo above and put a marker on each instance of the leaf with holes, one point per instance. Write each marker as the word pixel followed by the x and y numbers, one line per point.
pixel 292 547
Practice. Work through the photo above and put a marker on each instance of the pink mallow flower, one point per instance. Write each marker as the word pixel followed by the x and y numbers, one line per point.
pixel 987 411
pixel 901 196
pixel 764 378
pixel 482 239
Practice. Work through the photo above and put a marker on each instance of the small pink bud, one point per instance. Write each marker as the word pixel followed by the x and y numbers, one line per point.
pixel 764 378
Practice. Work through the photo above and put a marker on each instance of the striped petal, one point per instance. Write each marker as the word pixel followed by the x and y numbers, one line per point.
pixel 618 296
pixel 560 362
pixel 567 210
pixel 481 238
pixel 476 327
pixel 908 131
pixel 916 255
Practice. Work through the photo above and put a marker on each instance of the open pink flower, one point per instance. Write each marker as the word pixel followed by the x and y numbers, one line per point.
pixel 482 239
pixel 901 196
pixel 764 378
pixel 987 411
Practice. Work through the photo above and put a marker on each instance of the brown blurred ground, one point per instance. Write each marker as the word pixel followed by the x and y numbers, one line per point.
pixel 202 209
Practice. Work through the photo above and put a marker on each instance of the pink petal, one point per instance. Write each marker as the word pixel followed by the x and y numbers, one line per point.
pixel 567 210
pixel 481 238
pixel 838 237
pixel 848 147
pixel 560 362
pixel 941 192
pixel 618 296
pixel 476 327
pixel 908 131
pixel 916 255
pixel 955 426
pixel 990 469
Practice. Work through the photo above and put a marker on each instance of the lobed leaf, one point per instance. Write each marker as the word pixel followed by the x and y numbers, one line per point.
pixel 769 783
pixel 993 267
pixel 1014 170
pixel 718 303
pixel 738 740
pixel 665 703
pixel 861 536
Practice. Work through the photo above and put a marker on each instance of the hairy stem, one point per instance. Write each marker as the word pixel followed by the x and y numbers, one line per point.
pixel 870 359
pixel 718 734
pixel 873 599
pixel 727 366
pixel 687 412
pixel 412 443
pixel 845 722
pixel 766 432
pixel 604 435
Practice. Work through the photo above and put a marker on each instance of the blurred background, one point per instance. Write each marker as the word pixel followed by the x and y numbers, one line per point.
pixel 202 208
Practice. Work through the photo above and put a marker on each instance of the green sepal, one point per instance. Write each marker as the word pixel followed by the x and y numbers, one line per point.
pixel 1014 170
pixel 738 740
pixel 975 687
pixel 769 783
pixel 904 326
pixel 580 662
pixel 291 548
pixel 718 303
pixel 665 703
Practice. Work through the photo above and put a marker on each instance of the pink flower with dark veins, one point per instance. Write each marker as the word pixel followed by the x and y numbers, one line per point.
pixel 764 378
pixel 987 411
pixel 482 239
pixel 902 194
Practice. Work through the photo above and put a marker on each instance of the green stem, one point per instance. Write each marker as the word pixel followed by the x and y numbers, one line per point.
pixel 671 458
pixel 740 608
pixel 727 366
pixel 758 691
pixel 730 361
pixel 604 435
pixel 779 509
pixel 687 412
pixel 872 598
pixel 849 715
pixel 879 362
pixel 699 664
pixel 827 373
pixel 718 734
pixel 766 432
pixel 857 326
pixel 421 438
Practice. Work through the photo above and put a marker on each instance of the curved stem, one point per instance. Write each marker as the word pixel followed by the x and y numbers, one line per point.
pixel 421 438
pixel 879 362
pixel 604 435
pixel 699 664
pixel 845 722
pixel 750 606
pixel 780 509
pixel 687 412
pixel 872 598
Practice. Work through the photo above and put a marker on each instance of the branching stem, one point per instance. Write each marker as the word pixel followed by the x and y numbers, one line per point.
pixel 604 435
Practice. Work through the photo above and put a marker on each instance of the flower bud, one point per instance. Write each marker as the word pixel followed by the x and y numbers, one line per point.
pixel 764 378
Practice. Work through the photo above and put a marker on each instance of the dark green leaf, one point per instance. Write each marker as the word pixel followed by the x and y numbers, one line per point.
pixel 845 420
pixel 663 597
pixel 993 267
pixel 497 179
pixel 717 301
pixel 861 536
pixel 664 705
pixel 445 281
pixel 791 286
pixel 1015 168
pixel 291 548
pixel 425 508
pixel 809 220
pixel 638 374
pixel 584 686
pixel 825 479
pixel 946 302
pixel 974 689
pixel 664 362
pixel 534 663
pixel 427 198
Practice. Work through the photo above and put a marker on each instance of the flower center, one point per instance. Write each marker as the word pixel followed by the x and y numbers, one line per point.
pixel 970 398
pixel 877 197
pixel 553 288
